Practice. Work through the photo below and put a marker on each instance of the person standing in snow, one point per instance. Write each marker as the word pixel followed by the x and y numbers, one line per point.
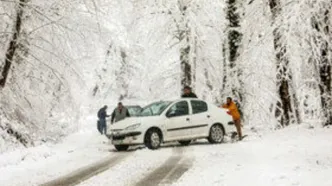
pixel 234 112
pixel 119 113
pixel 187 93
pixel 102 128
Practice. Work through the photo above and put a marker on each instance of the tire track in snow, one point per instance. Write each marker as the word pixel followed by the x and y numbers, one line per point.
pixel 87 172
pixel 168 172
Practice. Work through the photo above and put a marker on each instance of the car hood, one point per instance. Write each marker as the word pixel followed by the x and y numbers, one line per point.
pixel 134 120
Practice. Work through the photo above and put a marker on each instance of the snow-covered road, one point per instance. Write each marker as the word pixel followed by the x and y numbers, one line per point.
pixel 87 172
pixel 292 156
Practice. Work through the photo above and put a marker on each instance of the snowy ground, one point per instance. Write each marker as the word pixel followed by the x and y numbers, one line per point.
pixel 40 164
pixel 292 156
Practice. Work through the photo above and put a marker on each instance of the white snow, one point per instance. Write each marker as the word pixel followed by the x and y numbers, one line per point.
pixel 295 155
pixel 43 163
pixel 132 170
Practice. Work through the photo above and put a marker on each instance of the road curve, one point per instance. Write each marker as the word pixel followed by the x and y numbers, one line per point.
pixel 87 172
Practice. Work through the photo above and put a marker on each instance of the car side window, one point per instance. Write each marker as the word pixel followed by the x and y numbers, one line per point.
pixel 198 106
pixel 179 109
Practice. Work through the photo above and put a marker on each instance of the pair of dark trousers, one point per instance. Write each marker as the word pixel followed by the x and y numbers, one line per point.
pixel 102 128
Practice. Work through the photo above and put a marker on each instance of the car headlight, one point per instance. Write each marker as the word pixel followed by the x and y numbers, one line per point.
pixel 133 127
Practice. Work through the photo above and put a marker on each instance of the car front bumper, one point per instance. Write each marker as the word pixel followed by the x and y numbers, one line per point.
pixel 127 138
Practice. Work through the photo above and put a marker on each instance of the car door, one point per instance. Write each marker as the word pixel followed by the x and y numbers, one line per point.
pixel 200 118
pixel 178 121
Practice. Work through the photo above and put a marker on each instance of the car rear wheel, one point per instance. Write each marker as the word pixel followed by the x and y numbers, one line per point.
pixel 121 147
pixel 216 134
pixel 153 139
pixel 185 143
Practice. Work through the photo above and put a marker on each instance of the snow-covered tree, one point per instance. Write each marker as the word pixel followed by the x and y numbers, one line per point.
pixel 61 60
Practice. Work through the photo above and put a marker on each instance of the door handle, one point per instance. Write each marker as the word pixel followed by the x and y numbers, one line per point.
pixel 188 119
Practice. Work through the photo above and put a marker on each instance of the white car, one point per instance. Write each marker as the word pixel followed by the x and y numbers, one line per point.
pixel 181 120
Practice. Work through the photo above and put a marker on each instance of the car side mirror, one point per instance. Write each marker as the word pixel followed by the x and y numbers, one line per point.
pixel 170 114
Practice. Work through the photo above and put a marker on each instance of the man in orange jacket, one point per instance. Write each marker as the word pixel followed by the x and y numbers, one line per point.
pixel 233 111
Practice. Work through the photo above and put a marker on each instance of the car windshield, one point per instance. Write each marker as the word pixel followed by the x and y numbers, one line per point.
pixel 155 108
pixel 134 110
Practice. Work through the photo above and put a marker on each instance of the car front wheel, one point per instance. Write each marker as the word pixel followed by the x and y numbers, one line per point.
pixel 216 134
pixel 153 139
pixel 121 147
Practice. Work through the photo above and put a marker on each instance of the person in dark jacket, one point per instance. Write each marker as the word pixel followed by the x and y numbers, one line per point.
pixel 187 93
pixel 119 113
pixel 102 128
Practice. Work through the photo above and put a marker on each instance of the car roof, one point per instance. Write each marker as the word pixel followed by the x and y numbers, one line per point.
pixel 129 106
pixel 182 99
pixel 189 99
pixel 179 99
pixel 171 100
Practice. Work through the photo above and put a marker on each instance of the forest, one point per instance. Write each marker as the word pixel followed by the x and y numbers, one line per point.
pixel 61 60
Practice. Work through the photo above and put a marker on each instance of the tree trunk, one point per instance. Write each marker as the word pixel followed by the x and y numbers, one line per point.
pixel 122 80
pixel 13 45
pixel 284 106
pixel 224 66
pixel 186 66
pixel 325 73
pixel 234 36
pixel 324 67
pixel 234 39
